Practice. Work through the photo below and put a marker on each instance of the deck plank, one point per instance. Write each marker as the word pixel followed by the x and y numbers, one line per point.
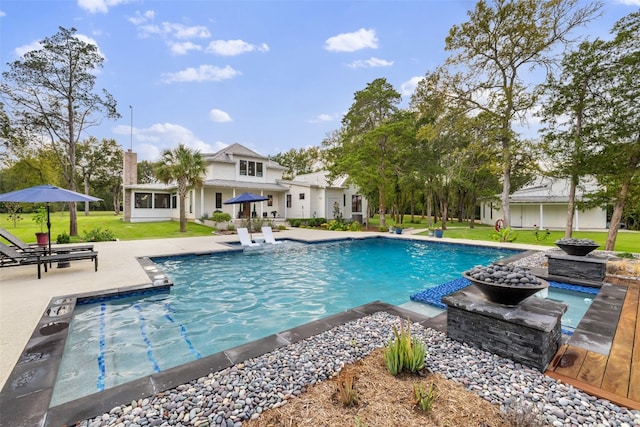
pixel 634 380
pixel 592 369
pixel 570 361
pixel 618 370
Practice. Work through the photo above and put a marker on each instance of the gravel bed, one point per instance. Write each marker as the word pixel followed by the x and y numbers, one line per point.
pixel 242 392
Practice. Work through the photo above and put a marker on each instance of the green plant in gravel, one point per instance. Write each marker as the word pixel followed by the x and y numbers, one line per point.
pixel 425 398
pixel 404 353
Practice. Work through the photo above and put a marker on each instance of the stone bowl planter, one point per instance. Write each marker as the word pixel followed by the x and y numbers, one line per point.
pixel 577 247
pixel 504 284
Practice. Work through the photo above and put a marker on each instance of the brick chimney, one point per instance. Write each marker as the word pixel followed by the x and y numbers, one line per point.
pixel 130 177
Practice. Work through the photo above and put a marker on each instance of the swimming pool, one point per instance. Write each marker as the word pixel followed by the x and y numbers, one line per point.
pixel 222 300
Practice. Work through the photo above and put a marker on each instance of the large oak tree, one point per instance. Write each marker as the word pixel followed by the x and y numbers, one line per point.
pixel 495 53
pixel 49 93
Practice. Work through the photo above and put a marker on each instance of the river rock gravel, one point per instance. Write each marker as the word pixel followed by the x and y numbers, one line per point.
pixel 242 392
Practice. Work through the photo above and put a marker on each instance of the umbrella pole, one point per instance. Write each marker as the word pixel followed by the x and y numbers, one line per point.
pixel 49 230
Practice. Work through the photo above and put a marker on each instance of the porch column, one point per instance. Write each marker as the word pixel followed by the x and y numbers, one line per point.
pixel 541 216
pixel 202 200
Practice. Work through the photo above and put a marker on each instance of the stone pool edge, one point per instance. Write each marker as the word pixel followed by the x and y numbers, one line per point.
pixel 98 403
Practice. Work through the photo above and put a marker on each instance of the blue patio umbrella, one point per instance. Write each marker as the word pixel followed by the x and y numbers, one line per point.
pixel 46 194
pixel 244 198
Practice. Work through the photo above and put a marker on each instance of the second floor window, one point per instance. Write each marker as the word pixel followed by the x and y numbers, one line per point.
pixel 249 168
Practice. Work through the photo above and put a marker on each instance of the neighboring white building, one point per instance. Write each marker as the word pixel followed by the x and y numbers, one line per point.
pixel 544 204
pixel 231 172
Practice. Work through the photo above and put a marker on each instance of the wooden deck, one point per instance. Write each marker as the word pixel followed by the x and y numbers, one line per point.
pixel 614 376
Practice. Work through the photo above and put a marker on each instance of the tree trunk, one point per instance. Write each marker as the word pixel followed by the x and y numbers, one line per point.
pixel 85 177
pixel 506 182
pixel 429 209
pixel 573 181
pixel 383 222
pixel 472 215
pixel 616 217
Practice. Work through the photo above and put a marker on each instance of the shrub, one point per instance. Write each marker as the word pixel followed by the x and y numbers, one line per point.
pixel 404 353
pixel 231 227
pixel 220 217
pixel 98 235
pixel 63 238
pixel 425 398
pixel 505 235
pixel 355 226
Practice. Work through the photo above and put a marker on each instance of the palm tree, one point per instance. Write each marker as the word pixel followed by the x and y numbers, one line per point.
pixel 186 168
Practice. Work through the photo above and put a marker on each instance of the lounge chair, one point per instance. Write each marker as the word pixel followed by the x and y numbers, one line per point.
pixel 245 240
pixel 10 257
pixel 267 233
pixel 25 247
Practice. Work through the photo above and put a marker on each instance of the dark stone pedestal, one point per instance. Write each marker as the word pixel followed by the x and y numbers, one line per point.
pixel 528 333
pixel 580 267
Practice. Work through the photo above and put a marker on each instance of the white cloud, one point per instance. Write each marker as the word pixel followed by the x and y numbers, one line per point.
pixel 408 87
pixel 175 30
pixel 99 6
pixel 2 13
pixel 350 42
pixel 21 50
pixel 182 48
pixel 219 116
pixel 204 73
pixel 323 118
pixel 141 18
pixel 370 63
pixel 35 45
pixel 234 47
pixel 630 2
pixel 151 141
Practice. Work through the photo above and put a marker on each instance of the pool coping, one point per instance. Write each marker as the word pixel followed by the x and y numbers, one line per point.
pixel 30 407
pixel 26 395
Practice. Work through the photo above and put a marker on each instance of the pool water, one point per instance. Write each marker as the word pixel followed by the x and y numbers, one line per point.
pixel 223 300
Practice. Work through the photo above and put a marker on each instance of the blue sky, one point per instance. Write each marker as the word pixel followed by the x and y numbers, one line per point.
pixel 271 75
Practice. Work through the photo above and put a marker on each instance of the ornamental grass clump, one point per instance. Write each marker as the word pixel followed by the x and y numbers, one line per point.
pixel 404 353
pixel 347 393
pixel 425 398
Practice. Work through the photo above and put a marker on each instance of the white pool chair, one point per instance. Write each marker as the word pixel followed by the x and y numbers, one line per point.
pixel 245 240
pixel 267 233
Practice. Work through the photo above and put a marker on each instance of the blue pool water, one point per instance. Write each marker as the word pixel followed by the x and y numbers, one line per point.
pixel 223 300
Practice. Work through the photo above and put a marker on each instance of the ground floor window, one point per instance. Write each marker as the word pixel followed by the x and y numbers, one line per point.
pixel 269 199
pixel 174 200
pixel 288 200
pixel 218 200
pixel 162 201
pixel 143 201
pixel 356 203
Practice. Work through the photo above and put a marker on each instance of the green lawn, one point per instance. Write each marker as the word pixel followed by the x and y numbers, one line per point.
pixel 26 228
pixel 627 241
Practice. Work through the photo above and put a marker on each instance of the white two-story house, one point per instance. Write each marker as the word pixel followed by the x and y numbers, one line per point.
pixel 231 172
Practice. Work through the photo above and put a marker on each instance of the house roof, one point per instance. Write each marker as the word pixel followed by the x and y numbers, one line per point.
pixel 242 184
pixel 320 179
pixel 212 183
pixel 228 154
pixel 551 190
